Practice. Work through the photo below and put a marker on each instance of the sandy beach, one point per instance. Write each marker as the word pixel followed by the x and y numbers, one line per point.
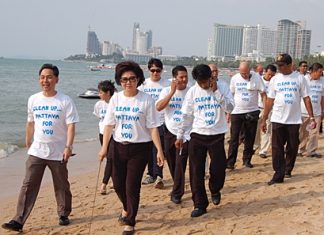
pixel 248 206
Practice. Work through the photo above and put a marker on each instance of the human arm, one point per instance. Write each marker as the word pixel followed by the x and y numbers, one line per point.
pixel 105 141
pixel 157 142
pixel 309 108
pixel 29 133
pixel 226 97
pixel 263 98
pixel 322 106
pixel 69 142
pixel 267 108
pixel 162 103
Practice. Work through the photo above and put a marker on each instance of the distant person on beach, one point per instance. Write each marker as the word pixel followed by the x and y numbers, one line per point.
pixel 303 67
pixel 264 138
pixel 50 130
pixel 246 87
pixel 258 68
pixel 132 120
pixel 153 86
pixel 170 101
pixel 106 90
pixel 284 96
pixel 309 137
pixel 203 111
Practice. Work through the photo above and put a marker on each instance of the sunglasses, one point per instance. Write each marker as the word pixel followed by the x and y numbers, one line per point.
pixel 156 70
pixel 130 79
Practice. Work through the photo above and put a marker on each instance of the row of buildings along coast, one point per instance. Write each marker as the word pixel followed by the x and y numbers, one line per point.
pixel 227 43
pixel 230 42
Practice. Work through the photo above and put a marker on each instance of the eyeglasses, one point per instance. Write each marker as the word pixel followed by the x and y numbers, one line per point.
pixel 155 70
pixel 130 79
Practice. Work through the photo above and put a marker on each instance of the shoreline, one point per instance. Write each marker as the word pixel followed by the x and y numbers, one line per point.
pixel 248 206
pixel 84 162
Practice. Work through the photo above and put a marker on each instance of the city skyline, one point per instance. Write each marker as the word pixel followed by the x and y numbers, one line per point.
pixel 181 27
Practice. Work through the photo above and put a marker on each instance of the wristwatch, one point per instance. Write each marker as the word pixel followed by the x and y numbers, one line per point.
pixel 70 147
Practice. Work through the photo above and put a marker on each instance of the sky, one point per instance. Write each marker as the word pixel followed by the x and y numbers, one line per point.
pixel 56 29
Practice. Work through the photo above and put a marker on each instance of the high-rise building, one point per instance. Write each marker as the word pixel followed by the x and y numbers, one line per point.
pixel 109 48
pixel 149 39
pixel 136 29
pixel 293 38
pixel 259 41
pixel 303 43
pixel 267 42
pixel 93 44
pixel 142 41
pixel 226 41
pixel 249 40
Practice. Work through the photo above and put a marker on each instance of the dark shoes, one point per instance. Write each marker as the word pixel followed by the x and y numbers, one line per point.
pixel 271 182
pixel 64 220
pixel 13 226
pixel 198 212
pixel 230 167
pixel 216 198
pixel 262 155
pixel 128 232
pixel 248 164
pixel 175 199
pixel 316 155
pixel 122 220
pixel 288 175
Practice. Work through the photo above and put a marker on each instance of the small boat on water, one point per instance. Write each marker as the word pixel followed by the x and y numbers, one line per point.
pixel 95 69
pixel 101 67
pixel 90 93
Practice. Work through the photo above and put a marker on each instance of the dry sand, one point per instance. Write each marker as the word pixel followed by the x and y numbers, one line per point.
pixel 248 206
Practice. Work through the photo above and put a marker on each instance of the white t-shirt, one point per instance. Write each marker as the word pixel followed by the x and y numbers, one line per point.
pixel 246 93
pixel 287 91
pixel 154 89
pixel 132 116
pixel 99 111
pixel 172 112
pixel 266 86
pixel 202 110
pixel 316 91
pixel 224 94
pixel 51 116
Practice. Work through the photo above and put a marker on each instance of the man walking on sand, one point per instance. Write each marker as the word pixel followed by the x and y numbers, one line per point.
pixel 50 133
pixel 246 87
pixel 284 94
pixel 153 86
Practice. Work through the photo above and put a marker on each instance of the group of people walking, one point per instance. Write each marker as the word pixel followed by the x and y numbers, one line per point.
pixel 153 119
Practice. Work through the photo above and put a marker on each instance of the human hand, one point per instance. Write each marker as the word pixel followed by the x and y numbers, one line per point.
pixel 160 159
pixel 102 154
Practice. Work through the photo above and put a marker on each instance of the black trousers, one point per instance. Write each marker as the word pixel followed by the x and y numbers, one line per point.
pixel 129 162
pixel 249 127
pixel 284 134
pixel 108 168
pixel 198 147
pixel 152 167
pixel 177 162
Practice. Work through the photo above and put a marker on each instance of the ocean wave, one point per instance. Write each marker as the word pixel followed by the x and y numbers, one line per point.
pixel 7 149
